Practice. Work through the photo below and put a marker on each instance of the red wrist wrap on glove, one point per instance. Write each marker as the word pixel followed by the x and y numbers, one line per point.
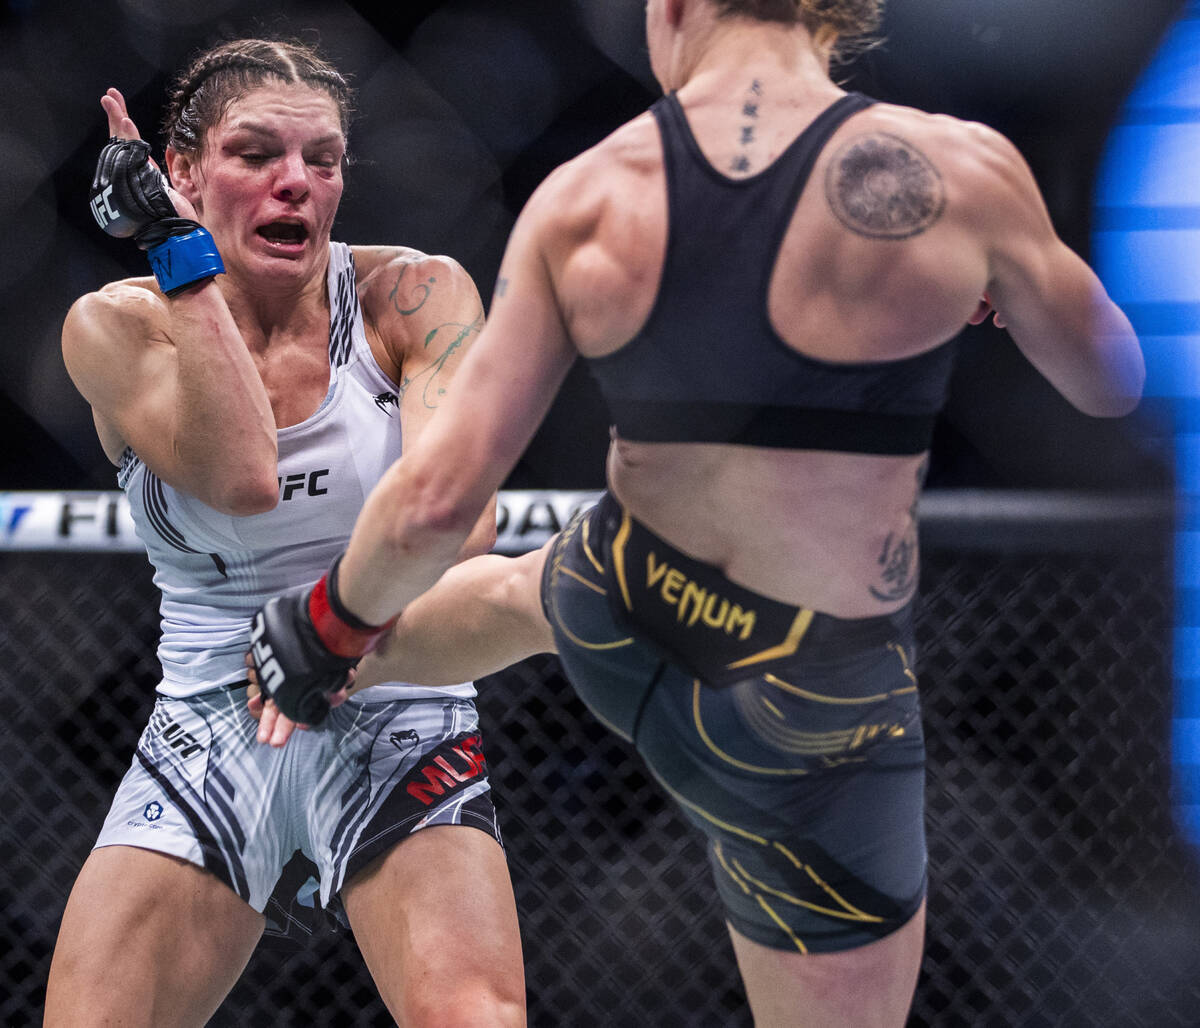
pixel 342 632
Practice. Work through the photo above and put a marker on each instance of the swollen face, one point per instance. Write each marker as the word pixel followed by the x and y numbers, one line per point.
pixel 270 179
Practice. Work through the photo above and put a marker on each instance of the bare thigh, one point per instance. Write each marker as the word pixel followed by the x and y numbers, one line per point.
pixel 436 921
pixel 147 939
pixel 868 987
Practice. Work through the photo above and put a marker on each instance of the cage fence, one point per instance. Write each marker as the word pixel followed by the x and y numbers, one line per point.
pixel 1060 890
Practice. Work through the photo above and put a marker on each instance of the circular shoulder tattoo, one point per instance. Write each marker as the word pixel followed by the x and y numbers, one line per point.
pixel 883 187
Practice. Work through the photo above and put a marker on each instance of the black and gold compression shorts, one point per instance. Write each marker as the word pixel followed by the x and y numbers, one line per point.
pixel 791 738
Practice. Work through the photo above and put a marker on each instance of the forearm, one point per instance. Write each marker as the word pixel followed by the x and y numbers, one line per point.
pixel 224 425
pixel 1114 364
pixel 170 370
pixel 423 510
pixel 410 530
pixel 431 509
pixel 1088 352
pixel 1060 316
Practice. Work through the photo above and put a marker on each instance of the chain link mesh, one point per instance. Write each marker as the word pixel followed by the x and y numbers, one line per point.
pixel 1060 893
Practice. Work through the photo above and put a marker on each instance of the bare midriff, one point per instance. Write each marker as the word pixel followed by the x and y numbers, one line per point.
pixel 835 532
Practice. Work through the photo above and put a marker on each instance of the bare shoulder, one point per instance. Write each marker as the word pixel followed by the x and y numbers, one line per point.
pixel 128 297
pixel 977 153
pixel 114 317
pixel 106 337
pixel 945 137
pixel 399 281
pixel 409 296
pixel 378 267
pixel 612 172
pixel 895 171
pixel 370 261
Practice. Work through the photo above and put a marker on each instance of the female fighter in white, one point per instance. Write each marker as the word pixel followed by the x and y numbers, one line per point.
pixel 251 394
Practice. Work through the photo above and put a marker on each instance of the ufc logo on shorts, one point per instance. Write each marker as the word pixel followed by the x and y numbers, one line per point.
pixel 102 210
pixel 185 742
pixel 270 674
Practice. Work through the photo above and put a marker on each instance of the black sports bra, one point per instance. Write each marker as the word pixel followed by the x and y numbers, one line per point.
pixel 708 366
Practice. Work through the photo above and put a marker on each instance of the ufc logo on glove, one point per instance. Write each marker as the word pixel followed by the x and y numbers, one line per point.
pixel 270 674
pixel 102 209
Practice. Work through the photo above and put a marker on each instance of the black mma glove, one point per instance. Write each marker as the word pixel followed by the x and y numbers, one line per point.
pixel 129 198
pixel 302 645
pixel 129 194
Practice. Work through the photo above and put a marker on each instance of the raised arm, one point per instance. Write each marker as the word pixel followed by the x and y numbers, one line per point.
pixel 416 519
pixel 171 377
pixel 1053 305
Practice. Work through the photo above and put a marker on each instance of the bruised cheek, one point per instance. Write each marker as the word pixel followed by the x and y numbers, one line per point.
pixel 330 212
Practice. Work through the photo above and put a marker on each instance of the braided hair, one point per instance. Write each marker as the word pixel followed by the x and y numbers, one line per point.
pixel 201 94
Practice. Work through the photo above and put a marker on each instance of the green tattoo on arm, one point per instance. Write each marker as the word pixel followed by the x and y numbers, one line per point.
pixel 450 338
pixel 414 296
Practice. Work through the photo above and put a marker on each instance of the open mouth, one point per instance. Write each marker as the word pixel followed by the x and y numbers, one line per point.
pixel 284 233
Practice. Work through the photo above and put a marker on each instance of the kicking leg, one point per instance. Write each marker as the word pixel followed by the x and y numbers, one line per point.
pixel 868 987
pixel 483 615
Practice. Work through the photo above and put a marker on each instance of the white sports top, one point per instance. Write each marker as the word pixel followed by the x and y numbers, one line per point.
pixel 215 570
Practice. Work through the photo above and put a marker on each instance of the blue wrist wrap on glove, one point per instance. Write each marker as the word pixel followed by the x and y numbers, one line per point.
pixel 182 261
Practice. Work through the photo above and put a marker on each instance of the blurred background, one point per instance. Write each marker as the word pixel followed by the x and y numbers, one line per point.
pixel 464 106
pixel 1063 891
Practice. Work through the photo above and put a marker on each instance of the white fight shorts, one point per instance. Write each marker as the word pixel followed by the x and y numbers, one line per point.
pixel 202 788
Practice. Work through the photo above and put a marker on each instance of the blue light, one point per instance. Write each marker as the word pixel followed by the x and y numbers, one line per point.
pixel 1147 250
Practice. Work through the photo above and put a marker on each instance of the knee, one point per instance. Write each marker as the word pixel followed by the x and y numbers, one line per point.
pixel 466 1004
pixel 78 991
pixel 76 975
